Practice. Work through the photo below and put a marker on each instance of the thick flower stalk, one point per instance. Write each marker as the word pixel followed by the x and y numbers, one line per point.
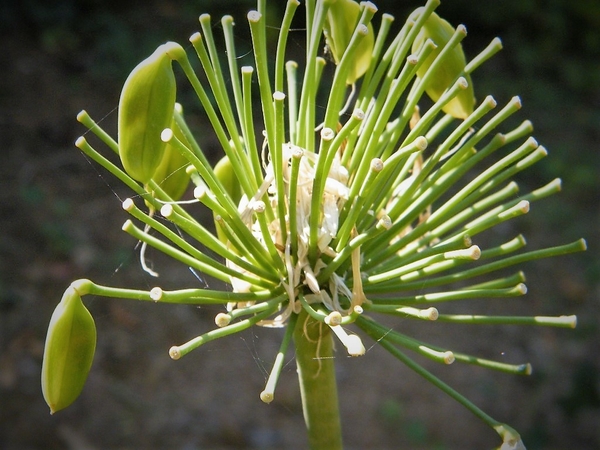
pixel 364 192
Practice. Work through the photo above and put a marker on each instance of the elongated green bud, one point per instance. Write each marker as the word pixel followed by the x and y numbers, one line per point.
pixel 171 174
pixel 342 18
pixel 226 175
pixel 69 351
pixel 145 109
pixel 453 66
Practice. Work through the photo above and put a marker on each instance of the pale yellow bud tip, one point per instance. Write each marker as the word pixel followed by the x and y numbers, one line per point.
pixel 222 320
pixel 166 135
pixel 334 318
pixel 267 397
pixel 254 16
pixel 166 210
pixel 448 357
pixel 174 353
pixel 156 294
pixel 128 204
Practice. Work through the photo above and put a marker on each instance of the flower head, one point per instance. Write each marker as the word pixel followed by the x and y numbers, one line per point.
pixel 369 202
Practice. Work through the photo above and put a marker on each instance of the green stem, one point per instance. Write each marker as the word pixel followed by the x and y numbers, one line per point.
pixel 316 374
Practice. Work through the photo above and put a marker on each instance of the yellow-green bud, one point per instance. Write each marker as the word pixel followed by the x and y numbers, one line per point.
pixel 340 23
pixel 453 66
pixel 226 175
pixel 69 351
pixel 145 109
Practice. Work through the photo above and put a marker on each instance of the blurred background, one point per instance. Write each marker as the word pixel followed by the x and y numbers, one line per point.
pixel 60 220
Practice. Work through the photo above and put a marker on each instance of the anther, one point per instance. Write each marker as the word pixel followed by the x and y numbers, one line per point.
pixel 462 83
pixel 358 114
pixel 334 318
pixel 327 134
pixel 174 353
pixel 372 7
pixel 199 192
pixel 254 16
pixel 156 293
pixel 490 101
pixel 128 204
pixel 166 135
pixel 166 210
pixel 516 102
pixel 127 225
pixel 385 222
pixel 297 152
pixel 430 313
pixel 376 165
pixel 222 320
pixel 421 143
pixel 412 60
pixel 473 253
pixel 448 357
pixel 259 206
pixel 522 288
pixel 523 206
pixel 267 397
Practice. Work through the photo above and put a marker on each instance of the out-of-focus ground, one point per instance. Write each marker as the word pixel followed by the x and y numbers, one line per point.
pixel 60 220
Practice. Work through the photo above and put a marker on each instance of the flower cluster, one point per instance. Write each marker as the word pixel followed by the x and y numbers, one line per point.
pixel 370 202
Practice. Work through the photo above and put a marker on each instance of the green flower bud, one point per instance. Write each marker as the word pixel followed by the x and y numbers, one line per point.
pixel 342 18
pixel 171 174
pixel 69 351
pixel 453 66
pixel 226 175
pixel 145 110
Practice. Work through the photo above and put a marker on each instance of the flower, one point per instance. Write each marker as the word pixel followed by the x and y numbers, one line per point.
pixel 372 202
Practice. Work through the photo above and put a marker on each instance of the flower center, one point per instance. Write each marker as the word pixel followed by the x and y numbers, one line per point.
pixel 299 169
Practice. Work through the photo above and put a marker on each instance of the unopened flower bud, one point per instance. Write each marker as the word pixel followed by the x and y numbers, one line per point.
pixel 340 23
pixel 453 66
pixel 68 352
pixel 145 109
